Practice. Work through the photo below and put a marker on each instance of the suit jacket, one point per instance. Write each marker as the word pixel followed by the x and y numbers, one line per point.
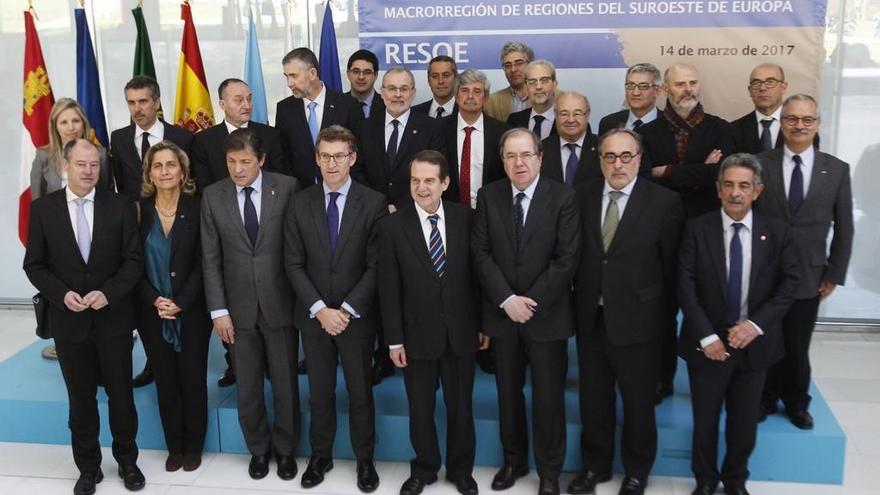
pixel 55 266
pixel 45 178
pixel 421 133
pixel 350 276
pixel 424 108
pixel 588 165
pixel 493 167
pixel 521 119
pixel 702 287
pixel 693 179
pixel 291 122
pixel 636 276
pixel 541 268
pixel 128 169
pixel 746 138
pixel 828 204
pixel 613 121
pixel 209 160
pixel 376 108
pixel 499 104
pixel 240 277
pixel 420 310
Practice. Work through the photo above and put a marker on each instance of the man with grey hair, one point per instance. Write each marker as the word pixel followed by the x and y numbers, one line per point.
pixel 515 56
pixel 571 155
pixel 542 86
pixel 730 340
pixel 642 86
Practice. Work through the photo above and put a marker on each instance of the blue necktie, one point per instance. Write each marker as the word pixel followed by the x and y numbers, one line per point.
pixel 313 121
pixel 537 127
pixel 519 217
pixel 391 151
pixel 440 112
pixel 83 234
pixel 572 164
pixel 438 254
pixel 251 224
pixel 333 221
pixel 766 137
pixel 734 277
pixel 796 187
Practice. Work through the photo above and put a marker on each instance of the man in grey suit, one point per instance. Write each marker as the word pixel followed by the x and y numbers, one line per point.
pixel 249 297
pixel 811 191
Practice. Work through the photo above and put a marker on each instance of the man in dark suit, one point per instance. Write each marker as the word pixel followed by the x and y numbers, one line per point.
pixel 625 288
pixel 736 279
pixel 810 191
pixel 330 255
pixel 312 107
pixel 250 298
pixel 642 86
pixel 362 71
pixel 758 130
pixel 442 76
pixel 91 314
pixel 570 155
pixel 525 244
pixel 430 306
pixel 542 85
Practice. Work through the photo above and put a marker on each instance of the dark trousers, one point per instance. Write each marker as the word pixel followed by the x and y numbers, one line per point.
pixel 603 368
pixel 456 374
pixel 381 355
pixel 738 387
pixel 789 379
pixel 181 379
pixel 84 365
pixel 322 352
pixel 669 356
pixel 548 363
pixel 255 350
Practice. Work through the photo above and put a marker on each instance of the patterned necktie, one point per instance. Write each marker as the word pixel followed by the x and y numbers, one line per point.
pixel 612 218
pixel 313 121
pixel 251 224
pixel 440 112
pixel 734 277
pixel 766 137
pixel 145 145
pixel 438 254
pixel 333 221
pixel 391 151
pixel 638 123
pixel 572 165
pixel 464 181
pixel 519 217
pixel 539 119
pixel 83 234
pixel 796 187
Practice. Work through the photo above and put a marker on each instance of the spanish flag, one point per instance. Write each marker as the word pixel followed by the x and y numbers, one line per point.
pixel 37 101
pixel 192 107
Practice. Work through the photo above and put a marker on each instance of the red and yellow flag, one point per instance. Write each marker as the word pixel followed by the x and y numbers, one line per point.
pixel 37 101
pixel 192 107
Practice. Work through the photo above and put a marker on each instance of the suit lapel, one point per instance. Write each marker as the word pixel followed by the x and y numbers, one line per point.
pixel 412 229
pixel 635 205
pixel 536 208
pixel 717 250
pixel 410 133
pixel 760 234
pixel 234 212
pixel 267 203
pixel 818 180
pixel 350 217
pixel 182 211
pixel 100 220
pixel 594 215
pixel 319 215
pixel 504 202
pixel 585 162
pixel 774 182
pixel 129 147
pixel 64 213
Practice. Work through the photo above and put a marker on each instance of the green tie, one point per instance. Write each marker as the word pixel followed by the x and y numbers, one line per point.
pixel 612 218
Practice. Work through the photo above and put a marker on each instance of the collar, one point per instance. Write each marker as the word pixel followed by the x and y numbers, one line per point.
pixel 257 184
pixel 478 124
pixel 727 221
pixel 423 215
pixel 319 99
pixel 549 114
pixel 230 127
pixel 70 195
pixel 343 190
pixel 403 119
pixel 369 99
pixel 777 115
pixel 447 107
pixel 530 191
pixel 648 117
pixel 579 141
pixel 627 189
pixel 515 95
pixel 806 155
pixel 153 130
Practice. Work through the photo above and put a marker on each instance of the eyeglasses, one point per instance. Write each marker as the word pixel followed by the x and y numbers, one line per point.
pixel 768 83
pixel 338 158
pixel 397 89
pixel 525 156
pixel 624 157
pixel 365 72
pixel 791 120
pixel 565 114
pixel 630 86
pixel 516 63
pixel 543 80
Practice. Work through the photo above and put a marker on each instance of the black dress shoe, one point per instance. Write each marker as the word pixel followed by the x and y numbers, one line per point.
pixel 132 477
pixel 586 483
pixel 368 478
pixel 191 462
pixel 143 378
pixel 173 462
pixel 286 467
pixel 301 368
pixel 507 476
pixel 548 486
pixel 259 466
pixel 85 485
pixel 766 410
pixel 633 486
pixel 227 378
pixel 735 490
pixel 802 419
pixel 414 486
pixel 382 371
pixel 663 391
pixel 314 473
pixel 467 486
pixel 704 489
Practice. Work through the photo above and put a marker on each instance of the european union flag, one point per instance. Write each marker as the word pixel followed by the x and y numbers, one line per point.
pixel 88 86
pixel 329 58
pixel 253 73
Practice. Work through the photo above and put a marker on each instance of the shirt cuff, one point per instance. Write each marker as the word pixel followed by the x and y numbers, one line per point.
pixel 505 301
pixel 707 341
pixel 350 310
pixel 757 328
pixel 395 346
pixel 317 306
pixel 217 313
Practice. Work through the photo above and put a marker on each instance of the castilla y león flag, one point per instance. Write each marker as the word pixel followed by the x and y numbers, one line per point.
pixel 192 106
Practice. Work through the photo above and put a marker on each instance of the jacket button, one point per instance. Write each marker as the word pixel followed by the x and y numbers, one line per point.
pixel 173 274
pixel 390 184
pixel 604 262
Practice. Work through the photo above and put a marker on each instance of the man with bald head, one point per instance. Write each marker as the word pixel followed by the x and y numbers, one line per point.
pixel 542 85
pixel 758 130
pixel 570 155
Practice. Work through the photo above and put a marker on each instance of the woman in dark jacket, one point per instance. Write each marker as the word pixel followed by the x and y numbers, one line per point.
pixel 174 321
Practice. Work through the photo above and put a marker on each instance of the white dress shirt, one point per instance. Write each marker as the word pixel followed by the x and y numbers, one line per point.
pixel 526 202
pixel 648 117
pixel 808 156
pixel 367 104
pixel 774 127
pixel 157 133
pixel 448 107
pixel 547 124
pixel 231 127
pixel 477 154
pixel 621 202
pixel 89 209
pixel 565 152
pixel 389 127
pixel 319 108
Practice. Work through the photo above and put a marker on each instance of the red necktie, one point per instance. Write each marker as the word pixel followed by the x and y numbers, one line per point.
pixel 464 182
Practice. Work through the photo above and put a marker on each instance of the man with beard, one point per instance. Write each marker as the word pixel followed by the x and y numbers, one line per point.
pixel 514 98
pixel 542 84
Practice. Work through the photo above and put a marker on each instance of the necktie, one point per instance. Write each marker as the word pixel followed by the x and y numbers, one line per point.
pixel 612 218
pixel 537 127
pixel 313 121
pixel 638 123
pixel 145 145
pixel 440 112
pixel 572 165
pixel 391 151
pixel 766 136
pixel 333 222
pixel 796 187
pixel 438 254
pixel 83 234
pixel 734 277
pixel 251 224
pixel 365 108
pixel 464 181
pixel 519 217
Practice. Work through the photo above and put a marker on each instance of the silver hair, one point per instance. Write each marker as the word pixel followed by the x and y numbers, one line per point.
pixel 545 63
pixel 469 76
pixel 646 68
pixel 517 46
pixel 800 97
pixel 398 69
pixel 744 160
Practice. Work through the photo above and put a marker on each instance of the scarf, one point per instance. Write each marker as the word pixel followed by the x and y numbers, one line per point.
pixel 683 127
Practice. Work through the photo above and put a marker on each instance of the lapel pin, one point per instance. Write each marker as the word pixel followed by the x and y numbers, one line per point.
pixel 415 131
pixel 823 171
pixel 763 237
pixel 273 192
pixel 332 106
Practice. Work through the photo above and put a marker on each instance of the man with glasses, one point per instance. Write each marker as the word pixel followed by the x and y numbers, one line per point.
pixel 363 69
pixel 525 244
pixel 642 87
pixel 758 130
pixel 514 98
pixel 541 84
pixel 810 190
pixel 571 157
pixel 442 74
pixel 625 285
